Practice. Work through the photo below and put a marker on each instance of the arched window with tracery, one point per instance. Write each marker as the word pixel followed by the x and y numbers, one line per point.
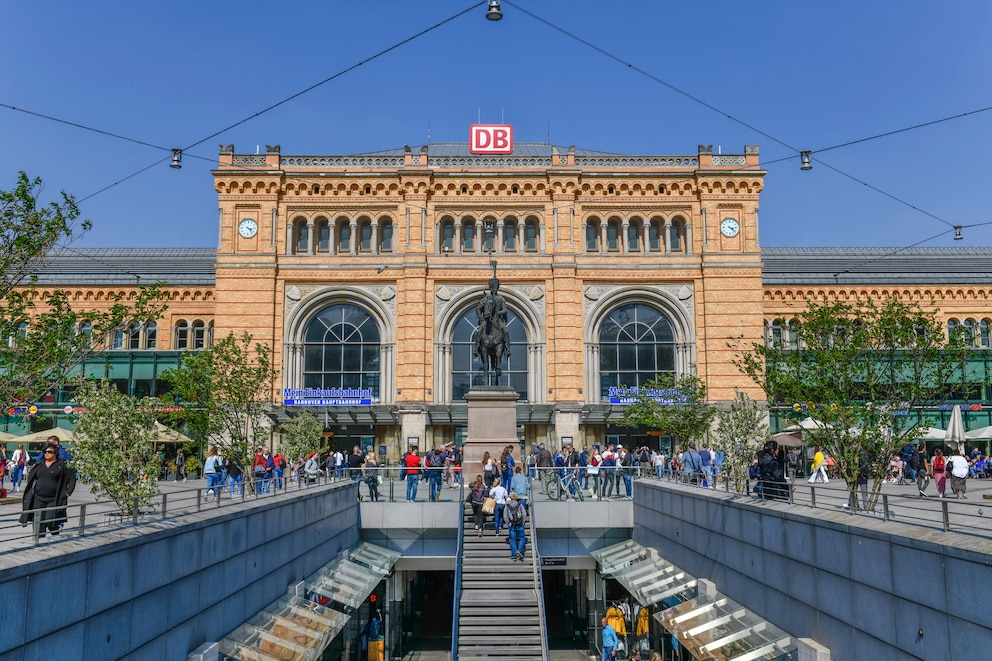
pixel 341 349
pixel 636 344
pixel 466 368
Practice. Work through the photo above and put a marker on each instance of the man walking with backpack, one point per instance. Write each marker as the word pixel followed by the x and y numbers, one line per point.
pixel 514 515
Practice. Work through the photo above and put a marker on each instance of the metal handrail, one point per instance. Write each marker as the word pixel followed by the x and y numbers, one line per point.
pixel 104 515
pixel 945 514
pixel 537 573
pixel 458 570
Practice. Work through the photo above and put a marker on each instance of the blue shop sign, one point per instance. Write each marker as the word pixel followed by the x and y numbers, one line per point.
pixel 660 395
pixel 327 396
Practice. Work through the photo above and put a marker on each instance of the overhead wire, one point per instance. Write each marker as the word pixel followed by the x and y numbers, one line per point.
pixel 557 28
pixel 363 62
pixel 710 106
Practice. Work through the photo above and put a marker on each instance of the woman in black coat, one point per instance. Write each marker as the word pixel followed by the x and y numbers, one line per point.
pixel 771 472
pixel 49 484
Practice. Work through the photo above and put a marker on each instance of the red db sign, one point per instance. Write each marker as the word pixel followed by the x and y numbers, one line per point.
pixel 490 139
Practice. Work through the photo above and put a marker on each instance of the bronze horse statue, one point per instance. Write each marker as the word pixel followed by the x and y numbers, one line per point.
pixel 492 342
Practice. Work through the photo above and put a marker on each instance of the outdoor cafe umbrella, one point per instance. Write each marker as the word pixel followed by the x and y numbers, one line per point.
pixel 41 436
pixel 934 434
pixel 955 430
pixel 808 424
pixel 981 432
pixel 788 439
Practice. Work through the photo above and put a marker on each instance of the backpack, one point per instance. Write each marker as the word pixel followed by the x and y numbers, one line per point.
pixel 584 458
pixel 917 462
pixel 503 466
pixel 435 460
pixel 559 460
pixel 282 462
pixel 594 460
pixel 514 515
pixel 644 457
pixel 793 459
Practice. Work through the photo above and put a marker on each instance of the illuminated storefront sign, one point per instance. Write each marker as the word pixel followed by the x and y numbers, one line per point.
pixel 327 397
pixel 662 395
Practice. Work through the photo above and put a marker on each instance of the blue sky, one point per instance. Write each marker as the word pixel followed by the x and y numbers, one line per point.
pixel 809 75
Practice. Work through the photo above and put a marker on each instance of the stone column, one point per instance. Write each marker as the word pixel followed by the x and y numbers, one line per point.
pixel 625 235
pixel 480 235
pixel 668 236
pixel 353 243
pixel 603 224
pixel 310 236
pixel 646 234
pixel 458 237
pixel 290 245
pixel 499 236
pixel 374 241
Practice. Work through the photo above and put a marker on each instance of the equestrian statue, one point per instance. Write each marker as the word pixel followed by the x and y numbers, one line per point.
pixel 492 343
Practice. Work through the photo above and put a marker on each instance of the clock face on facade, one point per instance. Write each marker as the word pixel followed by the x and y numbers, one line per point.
pixel 729 227
pixel 248 228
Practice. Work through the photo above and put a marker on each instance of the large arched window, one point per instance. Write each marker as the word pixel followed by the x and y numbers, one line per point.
pixel 341 350
pixel 636 343
pixel 466 369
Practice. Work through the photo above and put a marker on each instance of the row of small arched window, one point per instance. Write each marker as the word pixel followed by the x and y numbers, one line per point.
pixel 466 235
pixel 337 236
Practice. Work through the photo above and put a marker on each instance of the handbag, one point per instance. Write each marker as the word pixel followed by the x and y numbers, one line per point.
pixel 489 505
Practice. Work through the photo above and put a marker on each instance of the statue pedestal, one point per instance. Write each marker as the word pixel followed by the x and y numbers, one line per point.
pixel 492 425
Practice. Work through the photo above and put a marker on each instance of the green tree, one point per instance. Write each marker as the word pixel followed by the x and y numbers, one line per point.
pixel 859 370
pixel 43 337
pixel 114 447
pixel 226 390
pixel 676 406
pixel 301 435
pixel 740 433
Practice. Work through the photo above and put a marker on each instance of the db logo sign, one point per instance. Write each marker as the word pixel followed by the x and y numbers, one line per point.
pixel 490 139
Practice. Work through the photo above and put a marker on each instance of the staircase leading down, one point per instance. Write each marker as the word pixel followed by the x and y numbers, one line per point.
pixel 499 612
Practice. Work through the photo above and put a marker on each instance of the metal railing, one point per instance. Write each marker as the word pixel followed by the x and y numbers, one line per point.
pixel 102 516
pixel 538 573
pixel 896 502
pixel 456 606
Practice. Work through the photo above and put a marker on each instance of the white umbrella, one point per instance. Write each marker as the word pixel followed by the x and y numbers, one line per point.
pixel 955 430
pixel 807 424
pixel 42 436
pixel 981 432
pixel 934 434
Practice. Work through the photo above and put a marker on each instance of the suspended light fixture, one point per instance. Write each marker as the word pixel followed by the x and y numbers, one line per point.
pixel 177 159
pixel 494 13
pixel 957 233
pixel 806 157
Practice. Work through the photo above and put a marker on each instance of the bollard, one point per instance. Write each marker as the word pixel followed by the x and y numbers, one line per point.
pixel 946 515
pixel 82 518
pixel 165 499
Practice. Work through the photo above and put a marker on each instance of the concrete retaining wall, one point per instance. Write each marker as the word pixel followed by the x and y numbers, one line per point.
pixel 862 587
pixel 159 591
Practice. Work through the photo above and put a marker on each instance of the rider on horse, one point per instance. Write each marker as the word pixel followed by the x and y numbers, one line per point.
pixel 491 314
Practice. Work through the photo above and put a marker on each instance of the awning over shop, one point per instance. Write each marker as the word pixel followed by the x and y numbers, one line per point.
pixel 714 627
pixel 645 574
pixel 301 627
